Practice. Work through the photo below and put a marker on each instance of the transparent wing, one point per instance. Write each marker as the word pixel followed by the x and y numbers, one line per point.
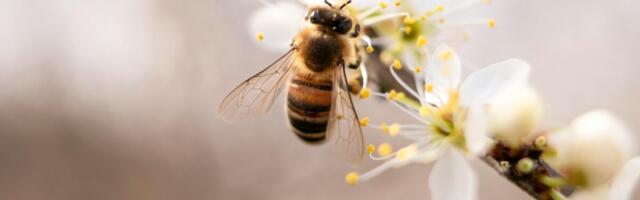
pixel 256 95
pixel 344 123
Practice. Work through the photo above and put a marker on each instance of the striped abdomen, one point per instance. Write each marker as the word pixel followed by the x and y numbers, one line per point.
pixel 308 107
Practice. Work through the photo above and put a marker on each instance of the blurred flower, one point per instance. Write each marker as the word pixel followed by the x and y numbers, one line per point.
pixel 452 121
pixel 430 22
pixel 596 151
pixel 514 114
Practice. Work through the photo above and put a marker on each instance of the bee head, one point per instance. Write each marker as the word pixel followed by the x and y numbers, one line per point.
pixel 330 17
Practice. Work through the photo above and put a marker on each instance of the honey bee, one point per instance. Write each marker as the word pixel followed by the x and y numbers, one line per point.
pixel 318 105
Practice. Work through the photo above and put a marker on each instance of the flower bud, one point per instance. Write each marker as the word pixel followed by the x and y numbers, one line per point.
pixel 593 149
pixel 514 114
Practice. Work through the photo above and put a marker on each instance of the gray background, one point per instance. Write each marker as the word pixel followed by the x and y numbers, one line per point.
pixel 117 99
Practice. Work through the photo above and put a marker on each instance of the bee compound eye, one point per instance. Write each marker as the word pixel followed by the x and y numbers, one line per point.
pixel 314 17
pixel 344 26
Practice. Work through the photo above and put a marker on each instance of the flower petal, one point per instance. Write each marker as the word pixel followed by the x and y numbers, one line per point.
pixel 279 23
pixel 444 69
pixel 452 178
pixel 626 181
pixel 476 131
pixel 483 84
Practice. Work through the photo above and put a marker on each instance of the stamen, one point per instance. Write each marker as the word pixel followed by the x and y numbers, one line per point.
pixel 260 36
pixel 377 19
pixel 394 129
pixel 364 121
pixel 407 152
pixel 428 87
pixel 397 64
pixel 371 148
pixel 351 178
pixel 422 41
pixel 408 20
pixel 378 170
pixel 383 5
pixel 364 74
pixel 384 127
pixel 402 83
pixel 364 93
pixel 417 69
pixel 397 3
pixel 367 40
pixel 489 22
pixel 385 149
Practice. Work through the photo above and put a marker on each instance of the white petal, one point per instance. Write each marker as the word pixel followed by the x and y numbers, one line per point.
pixel 482 85
pixel 443 70
pixel 476 131
pixel 452 178
pixel 279 23
pixel 626 181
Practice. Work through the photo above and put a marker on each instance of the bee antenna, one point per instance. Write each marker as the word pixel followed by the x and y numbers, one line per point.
pixel 327 2
pixel 345 4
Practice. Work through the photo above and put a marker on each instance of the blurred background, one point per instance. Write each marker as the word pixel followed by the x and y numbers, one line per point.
pixel 117 99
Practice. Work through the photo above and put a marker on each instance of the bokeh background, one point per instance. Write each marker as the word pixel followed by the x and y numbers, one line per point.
pixel 117 99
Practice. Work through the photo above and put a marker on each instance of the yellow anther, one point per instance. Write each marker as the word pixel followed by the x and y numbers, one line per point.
pixel 408 20
pixel 370 49
pixel 407 152
pixel 384 127
pixel 425 111
pixel 352 178
pixel 422 41
pixel 491 23
pixel 394 129
pixel 364 121
pixel 364 93
pixel 392 94
pixel 418 69
pixel 486 1
pixel 439 8
pixel 385 149
pixel 400 96
pixel 397 65
pixel 371 148
pixel 446 55
pixel 260 37
pixel 397 3
pixel 428 87
pixel 383 5
pixel 407 30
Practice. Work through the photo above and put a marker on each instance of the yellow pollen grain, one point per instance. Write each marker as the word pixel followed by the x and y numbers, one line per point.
pixel 370 49
pixel 408 20
pixel 385 149
pixel 428 87
pixel 446 55
pixel 392 94
pixel 383 5
pixel 260 37
pixel 371 148
pixel 394 129
pixel 365 93
pixel 491 23
pixel 422 41
pixel 439 8
pixel 352 178
pixel 384 127
pixel 425 111
pixel 418 69
pixel 407 30
pixel 364 121
pixel 397 65
pixel 397 3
